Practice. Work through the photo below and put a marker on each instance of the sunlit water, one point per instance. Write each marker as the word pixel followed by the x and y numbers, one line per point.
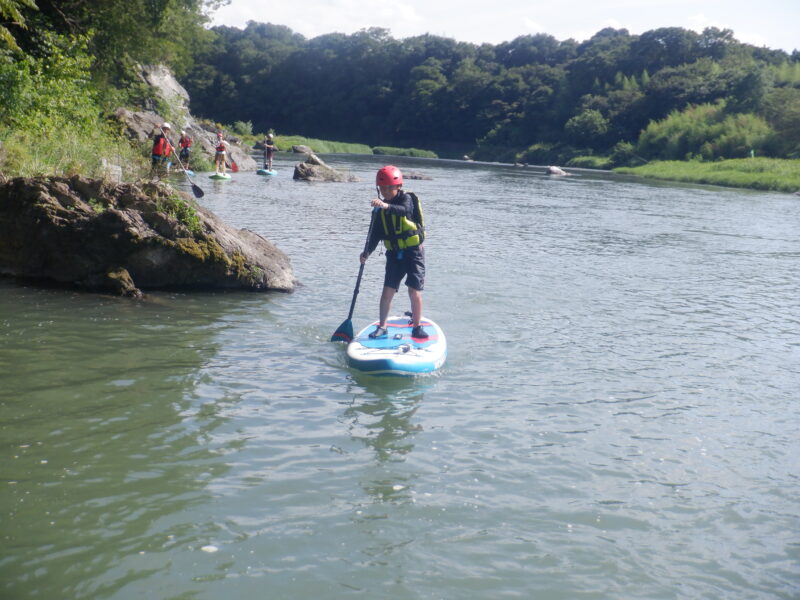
pixel 617 418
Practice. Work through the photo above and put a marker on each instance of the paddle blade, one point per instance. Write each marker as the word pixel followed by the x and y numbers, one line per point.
pixel 234 166
pixel 198 192
pixel 344 333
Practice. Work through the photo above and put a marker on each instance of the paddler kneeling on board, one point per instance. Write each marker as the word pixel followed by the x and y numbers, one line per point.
pixel 399 224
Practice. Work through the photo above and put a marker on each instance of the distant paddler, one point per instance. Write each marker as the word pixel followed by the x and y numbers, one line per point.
pixel 185 143
pixel 162 148
pixel 269 149
pixel 219 156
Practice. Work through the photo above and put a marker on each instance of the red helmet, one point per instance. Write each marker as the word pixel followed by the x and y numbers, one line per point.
pixel 389 175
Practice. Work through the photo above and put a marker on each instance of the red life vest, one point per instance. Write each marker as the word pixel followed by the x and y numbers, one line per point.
pixel 161 146
pixel 185 142
pixel 221 146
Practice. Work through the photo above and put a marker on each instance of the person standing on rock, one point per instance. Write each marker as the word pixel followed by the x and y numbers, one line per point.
pixel 221 151
pixel 400 225
pixel 269 151
pixel 185 142
pixel 162 148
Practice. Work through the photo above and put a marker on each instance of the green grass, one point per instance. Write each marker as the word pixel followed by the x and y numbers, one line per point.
pixel 69 151
pixel 589 162
pixel 285 143
pixel 182 210
pixel 415 152
pixel 773 174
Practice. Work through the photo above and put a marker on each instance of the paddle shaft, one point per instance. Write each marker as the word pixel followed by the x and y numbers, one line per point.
pixel 198 191
pixel 361 268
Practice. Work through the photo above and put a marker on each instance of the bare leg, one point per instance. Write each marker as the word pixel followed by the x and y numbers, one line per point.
pixel 416 305
pixel 386 304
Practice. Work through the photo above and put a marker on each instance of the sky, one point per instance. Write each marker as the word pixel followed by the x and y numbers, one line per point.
pixel 771 23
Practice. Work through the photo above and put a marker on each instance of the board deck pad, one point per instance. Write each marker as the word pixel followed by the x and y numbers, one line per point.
pixel 220 176
pixel 266 172
pixel 398 353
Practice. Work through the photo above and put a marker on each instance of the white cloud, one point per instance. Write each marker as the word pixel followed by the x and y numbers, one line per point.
pixel 699 22
pixel 318 18
pixel 532 25
pixel 771 24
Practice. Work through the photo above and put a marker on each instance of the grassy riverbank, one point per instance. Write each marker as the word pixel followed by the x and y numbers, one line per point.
pixel 774 174
pixel 285 143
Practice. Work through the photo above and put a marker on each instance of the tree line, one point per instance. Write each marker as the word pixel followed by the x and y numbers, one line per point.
pixel 527 99
pixel 667 93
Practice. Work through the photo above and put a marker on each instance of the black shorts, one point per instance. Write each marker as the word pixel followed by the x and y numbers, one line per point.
pixel 411 266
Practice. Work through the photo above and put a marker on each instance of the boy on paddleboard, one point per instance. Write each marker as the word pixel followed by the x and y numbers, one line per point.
pixel 399 224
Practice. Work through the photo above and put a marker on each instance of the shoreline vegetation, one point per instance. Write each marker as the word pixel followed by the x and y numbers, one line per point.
pixel 669 104
pixel 285 142
pixel 51 156
pixel 768 174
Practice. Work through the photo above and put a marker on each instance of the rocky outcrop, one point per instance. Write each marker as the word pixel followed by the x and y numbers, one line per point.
pixel 314 169
pixel 123 238
pixel 301 149
pixel 163 82
pixel 552 170
pixel 141 125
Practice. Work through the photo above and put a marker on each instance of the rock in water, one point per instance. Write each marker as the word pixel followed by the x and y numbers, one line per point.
pixel 315 169
pixel 123 238
pixel 553 170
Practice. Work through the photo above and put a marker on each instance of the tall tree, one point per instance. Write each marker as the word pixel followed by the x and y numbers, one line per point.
pixel 12 9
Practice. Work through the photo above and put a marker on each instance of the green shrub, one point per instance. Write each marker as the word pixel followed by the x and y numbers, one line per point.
pixel 589 162
pixel 537 154
pixel 50 117
pixel 705 131
pixel 184 212
pixel 242 128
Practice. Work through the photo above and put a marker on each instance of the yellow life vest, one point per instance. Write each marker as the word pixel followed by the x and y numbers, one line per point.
pixel 402 232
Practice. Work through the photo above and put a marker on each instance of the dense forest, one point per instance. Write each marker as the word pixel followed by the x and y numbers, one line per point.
pixel 669 93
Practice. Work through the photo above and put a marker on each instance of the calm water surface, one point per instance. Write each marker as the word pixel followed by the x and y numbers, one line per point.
pixel 618 416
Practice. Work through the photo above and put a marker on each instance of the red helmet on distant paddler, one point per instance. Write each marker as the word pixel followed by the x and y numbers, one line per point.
pixel 388 175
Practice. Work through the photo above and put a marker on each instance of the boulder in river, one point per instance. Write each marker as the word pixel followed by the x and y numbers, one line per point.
pixel 315 169
pixel 124 238
pixel 553 170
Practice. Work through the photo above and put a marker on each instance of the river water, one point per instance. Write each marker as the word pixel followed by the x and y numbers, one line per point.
pixel 617 418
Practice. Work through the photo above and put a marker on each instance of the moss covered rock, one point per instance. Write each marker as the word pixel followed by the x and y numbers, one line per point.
pixel 123 238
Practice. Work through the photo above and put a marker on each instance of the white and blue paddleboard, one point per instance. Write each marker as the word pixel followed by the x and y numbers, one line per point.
pixel 220 176
pixel 266 172
pixel 397 353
